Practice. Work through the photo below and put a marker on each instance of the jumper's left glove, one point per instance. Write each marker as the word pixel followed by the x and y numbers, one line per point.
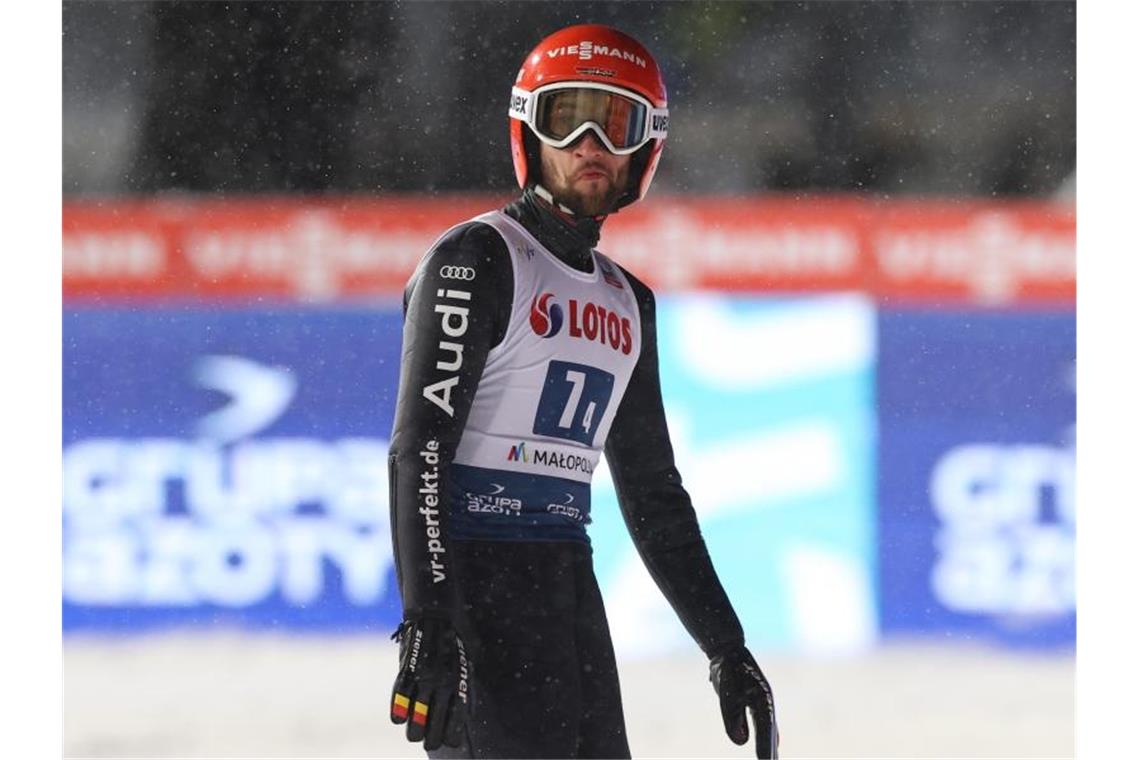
pixel 740 684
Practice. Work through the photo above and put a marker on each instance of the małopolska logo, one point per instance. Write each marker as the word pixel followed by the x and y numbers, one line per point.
pixel 545 317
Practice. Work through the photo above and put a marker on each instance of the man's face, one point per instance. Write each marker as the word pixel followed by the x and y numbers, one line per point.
pixel 585 177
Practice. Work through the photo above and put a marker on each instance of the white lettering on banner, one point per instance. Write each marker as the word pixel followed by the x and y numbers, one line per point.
pixel 1007 539
pixel 667 248
pixel 363 557
pixel 111 255
pixel 164 563
pixel 313 252
pixel 993 256
pixel 108 480
pixel 170 522
pixel 100 567
pixel 235 567
pixel 178 562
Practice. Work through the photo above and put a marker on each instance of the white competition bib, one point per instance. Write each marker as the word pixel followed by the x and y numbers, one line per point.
pixel 547 397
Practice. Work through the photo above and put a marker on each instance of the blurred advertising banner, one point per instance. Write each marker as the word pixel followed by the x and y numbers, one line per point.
pixel 322 250
pixel 776 447
pixel 977 513
pixel 228 467
pixel 871 404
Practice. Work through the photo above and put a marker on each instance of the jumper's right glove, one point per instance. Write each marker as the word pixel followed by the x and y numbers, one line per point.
pixel 740 684
pixel 431 690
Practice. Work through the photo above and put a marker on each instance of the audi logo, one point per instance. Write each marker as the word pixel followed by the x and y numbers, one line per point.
pixel 457 273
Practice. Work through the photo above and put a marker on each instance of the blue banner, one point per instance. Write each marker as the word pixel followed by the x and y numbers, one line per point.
pixel 228 467
pixel 976 475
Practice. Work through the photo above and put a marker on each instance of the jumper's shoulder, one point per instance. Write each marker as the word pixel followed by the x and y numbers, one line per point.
pixel 472 254
pixel 643 293
pixel 472 243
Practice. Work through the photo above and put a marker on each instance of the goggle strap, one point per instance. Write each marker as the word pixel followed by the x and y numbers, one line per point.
pixel 522 105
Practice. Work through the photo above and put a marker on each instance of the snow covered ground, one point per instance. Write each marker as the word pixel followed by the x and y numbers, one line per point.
pixel 237 695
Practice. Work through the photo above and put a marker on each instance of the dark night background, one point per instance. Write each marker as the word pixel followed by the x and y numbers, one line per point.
pixel 964 99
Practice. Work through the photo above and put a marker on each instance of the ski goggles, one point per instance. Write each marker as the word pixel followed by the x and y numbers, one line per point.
pixel 559 114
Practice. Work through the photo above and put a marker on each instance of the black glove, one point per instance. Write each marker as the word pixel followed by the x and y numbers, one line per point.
pixel 739 684
pixel 431 691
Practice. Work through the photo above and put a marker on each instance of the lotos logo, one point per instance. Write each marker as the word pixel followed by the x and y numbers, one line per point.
pixel 587 320
pixel 545 317
pixel 597 323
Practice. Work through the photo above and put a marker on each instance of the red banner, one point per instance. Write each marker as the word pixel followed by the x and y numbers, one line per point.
pixel 297 249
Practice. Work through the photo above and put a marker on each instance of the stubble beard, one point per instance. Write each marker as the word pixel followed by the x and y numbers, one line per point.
pixel 590 203
pixel 595 203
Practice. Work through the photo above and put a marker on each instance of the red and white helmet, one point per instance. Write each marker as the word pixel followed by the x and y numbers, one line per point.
pixel 590 77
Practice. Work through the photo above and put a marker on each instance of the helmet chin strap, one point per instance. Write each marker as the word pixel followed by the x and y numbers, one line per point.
pixel 571 231
pixel 574 216
pixel 547 196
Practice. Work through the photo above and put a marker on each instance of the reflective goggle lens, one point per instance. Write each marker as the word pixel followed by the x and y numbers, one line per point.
pixel 559 112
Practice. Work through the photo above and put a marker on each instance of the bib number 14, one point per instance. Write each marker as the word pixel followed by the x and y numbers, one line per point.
pixel 573 402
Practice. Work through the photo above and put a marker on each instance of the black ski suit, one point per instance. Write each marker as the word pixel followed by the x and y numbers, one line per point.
pixel 543 678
